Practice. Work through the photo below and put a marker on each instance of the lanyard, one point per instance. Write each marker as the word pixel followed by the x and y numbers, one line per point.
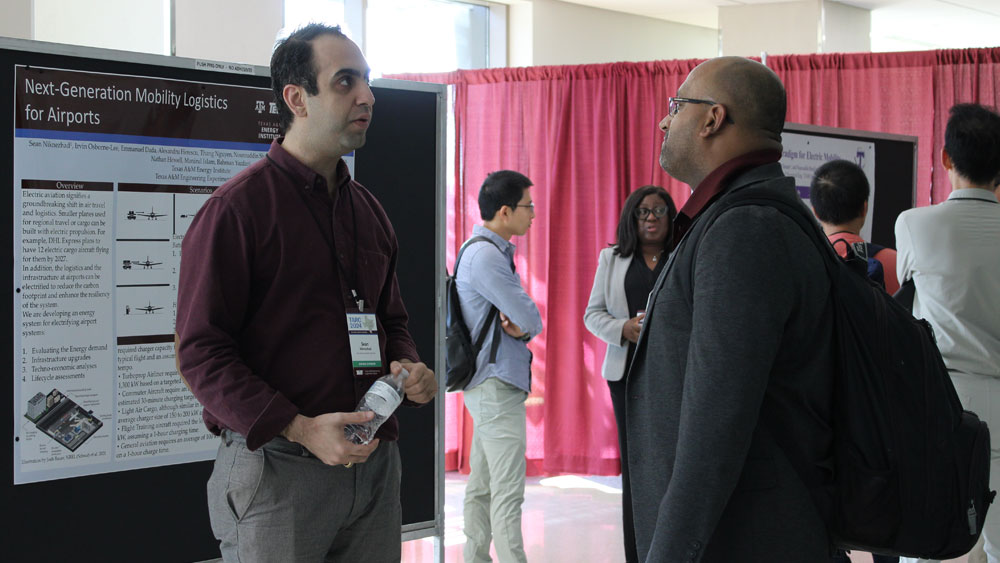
pixel 354 296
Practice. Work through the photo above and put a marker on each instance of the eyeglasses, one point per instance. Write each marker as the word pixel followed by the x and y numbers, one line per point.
pixel 643 212
pixel 674 106
pixel 530 206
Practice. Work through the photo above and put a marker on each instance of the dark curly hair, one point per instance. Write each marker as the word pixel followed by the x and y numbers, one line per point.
pixel 628 234
pixel 292 63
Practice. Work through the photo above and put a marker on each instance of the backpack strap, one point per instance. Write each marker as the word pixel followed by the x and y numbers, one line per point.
pixel 493 314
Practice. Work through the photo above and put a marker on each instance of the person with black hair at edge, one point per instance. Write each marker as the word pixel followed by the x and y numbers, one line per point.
pixel 951 252
pixel 495 396
pixel 839 194
pixel 279 269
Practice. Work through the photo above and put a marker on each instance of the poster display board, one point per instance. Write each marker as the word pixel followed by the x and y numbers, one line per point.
pixel 889 162
pixel 804 153
pixel 109 170
pixel 108 157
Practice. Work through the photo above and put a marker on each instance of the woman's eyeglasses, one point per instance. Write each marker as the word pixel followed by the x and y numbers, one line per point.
pixel 643 212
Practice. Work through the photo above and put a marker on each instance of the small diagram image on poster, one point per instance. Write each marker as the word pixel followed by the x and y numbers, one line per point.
pixel 147 309
pixel 150 215
pixel 62 419
pixel 144 214
pixel 187 206
pixel 146 264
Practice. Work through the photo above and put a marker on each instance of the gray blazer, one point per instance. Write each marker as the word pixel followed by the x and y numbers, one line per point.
pixel 739 323
pixel 607 311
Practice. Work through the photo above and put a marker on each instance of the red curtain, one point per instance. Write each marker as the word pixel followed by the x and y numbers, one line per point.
pixel 903 93
pixel 587 136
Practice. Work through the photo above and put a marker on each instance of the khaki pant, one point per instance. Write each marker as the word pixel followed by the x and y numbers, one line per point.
pixel 495 490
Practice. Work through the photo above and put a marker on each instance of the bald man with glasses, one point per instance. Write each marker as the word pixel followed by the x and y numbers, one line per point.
pixel 738 329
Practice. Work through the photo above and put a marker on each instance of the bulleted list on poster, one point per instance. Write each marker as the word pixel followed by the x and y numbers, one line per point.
pixel 109 172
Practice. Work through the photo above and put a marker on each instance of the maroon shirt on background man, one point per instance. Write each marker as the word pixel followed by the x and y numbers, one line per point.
pixel 261 310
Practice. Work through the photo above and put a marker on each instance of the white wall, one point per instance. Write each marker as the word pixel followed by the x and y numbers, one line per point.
pixel 240 31
pixel 846 29
pixel 786 28
pixel 562 33
pixel 520 34
pixel 128 25
pixel 16 20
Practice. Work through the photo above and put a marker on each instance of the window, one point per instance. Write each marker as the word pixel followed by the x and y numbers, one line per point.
pixel 301 12
pixel 426 35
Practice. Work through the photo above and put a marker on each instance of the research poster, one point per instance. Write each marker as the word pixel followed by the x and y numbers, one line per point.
pixel 109 170
pixel 804 153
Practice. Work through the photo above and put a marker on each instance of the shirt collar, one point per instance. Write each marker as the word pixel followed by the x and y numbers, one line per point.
pixel 505 245
pixel 715 184
pixel 308 178
pixel 973 193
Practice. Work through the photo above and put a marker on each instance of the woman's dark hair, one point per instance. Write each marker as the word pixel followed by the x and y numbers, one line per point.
pixel 628 234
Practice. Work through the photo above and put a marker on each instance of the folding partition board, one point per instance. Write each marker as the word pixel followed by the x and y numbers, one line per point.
pixel 109 156
pixel 889 162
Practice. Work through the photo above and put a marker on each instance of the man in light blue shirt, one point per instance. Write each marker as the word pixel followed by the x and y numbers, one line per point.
pixel 495 396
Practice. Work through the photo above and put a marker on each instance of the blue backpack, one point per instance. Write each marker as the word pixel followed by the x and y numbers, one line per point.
pixel 863 254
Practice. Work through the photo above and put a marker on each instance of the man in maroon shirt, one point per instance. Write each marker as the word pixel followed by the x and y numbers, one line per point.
pixel 275 265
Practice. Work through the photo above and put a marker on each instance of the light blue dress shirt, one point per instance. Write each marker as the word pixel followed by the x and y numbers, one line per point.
pixel 484 278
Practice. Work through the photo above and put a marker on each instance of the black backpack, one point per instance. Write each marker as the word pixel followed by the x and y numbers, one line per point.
pixel 460 351
pixel 911 467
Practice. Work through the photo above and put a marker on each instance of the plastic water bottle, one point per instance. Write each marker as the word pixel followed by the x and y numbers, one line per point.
pixel 382 398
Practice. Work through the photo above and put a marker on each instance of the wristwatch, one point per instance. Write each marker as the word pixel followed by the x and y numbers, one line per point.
pixel 524 337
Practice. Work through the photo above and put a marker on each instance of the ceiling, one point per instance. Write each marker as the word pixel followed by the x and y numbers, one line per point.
pixel 897 25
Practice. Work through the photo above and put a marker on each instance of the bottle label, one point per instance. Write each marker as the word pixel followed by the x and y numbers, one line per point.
pixel 390 398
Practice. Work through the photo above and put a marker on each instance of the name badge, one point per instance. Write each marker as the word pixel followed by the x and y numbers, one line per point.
pixel 366 357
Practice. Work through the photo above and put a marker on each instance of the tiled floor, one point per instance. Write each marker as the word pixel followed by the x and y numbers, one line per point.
pixel 566 519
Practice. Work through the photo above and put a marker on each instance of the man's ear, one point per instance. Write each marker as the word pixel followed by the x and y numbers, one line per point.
pixel 946 159
pixel 714 117
pixel 504 212
pixel 295 98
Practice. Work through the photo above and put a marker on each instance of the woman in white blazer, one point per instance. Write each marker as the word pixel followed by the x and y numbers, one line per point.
pixel 626 272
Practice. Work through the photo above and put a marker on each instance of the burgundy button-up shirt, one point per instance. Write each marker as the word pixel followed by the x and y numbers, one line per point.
pixel 261 308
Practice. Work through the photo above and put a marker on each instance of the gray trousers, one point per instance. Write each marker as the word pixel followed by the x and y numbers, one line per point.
pixel 279 503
